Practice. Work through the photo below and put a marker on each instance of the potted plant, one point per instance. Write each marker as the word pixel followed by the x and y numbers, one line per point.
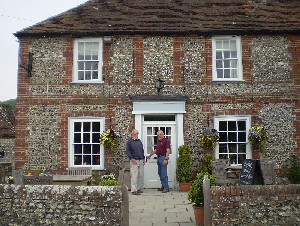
pixel 257 137
pixel 110 139
pixel 209 139
pixel 184 168
pixel 196 195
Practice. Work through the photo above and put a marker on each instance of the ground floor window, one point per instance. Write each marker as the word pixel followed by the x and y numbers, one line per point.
pixel 233 143
pixel 84 144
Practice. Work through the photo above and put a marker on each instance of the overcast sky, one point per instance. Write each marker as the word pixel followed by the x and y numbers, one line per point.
pixel 16 15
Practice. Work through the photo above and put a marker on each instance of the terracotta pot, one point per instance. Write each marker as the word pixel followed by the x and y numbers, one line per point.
pixel 199 215
pixel 185 186
pixel 256 154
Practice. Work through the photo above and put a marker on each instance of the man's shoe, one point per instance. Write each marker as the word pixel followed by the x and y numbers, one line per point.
pixel 165 190
pixel 136 193
pixel 140 191
pixel 160 189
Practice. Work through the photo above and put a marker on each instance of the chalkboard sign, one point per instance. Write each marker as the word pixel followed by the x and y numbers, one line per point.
pixel 251 173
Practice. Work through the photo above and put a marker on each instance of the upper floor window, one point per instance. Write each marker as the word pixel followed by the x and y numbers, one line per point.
pixel 233 142
pixel 84 144
pixel 227 58
pixel 88 60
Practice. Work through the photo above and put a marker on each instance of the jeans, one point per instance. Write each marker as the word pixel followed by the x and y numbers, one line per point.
pixel 163 172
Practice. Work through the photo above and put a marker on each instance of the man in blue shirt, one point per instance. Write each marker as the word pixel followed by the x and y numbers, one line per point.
pixel 135 153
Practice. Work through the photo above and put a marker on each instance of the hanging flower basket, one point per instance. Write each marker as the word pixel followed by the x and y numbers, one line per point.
pixel 209 139
pixel 110 139
pixel 258 137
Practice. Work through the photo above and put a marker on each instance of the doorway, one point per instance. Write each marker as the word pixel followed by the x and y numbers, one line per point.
pixel 150 128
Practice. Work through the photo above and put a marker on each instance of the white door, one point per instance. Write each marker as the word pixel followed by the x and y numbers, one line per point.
pixel 151 178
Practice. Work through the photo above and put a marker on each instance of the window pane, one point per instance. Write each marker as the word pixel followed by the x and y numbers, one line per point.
pixel 234 73
pixel 88 65
pixel 220 73
pixel 226 63
pixel 233 64
pixel 227 73
pixel 232 137
pixel 232 44
pixel 80 75
pixel 223 148
pixel 95 137
pixel 223 156
pixel 242 148
pixel 219 44
pixel 226 44
pixel 86 138
pixel 222 125
pixel 95 75
pixel 233 54
pixel 231 126
pixel 226 54
pixel 219 64
pixel 77 149
pixel 96 159
pixel 219 55
pixel 77 160
pixel 223 136
pixel 242 136
pixel 86 127
pixel 242 125
pixel 77 126
pixel 233 159
pixel 96 148
pixel 86 160
pixel 241 158
pixel 87 149
pixel 77 137
pixel 81 65
pixel 232 148
pixel 87 75
pixel 96 127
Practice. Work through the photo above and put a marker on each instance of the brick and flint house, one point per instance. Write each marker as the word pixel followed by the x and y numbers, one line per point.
pixel 226 64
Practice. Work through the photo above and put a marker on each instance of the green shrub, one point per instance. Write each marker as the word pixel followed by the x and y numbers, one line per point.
pixel 206 165
pixel 294 173
pixel 108 180
pixel 184 167
pixel 196 195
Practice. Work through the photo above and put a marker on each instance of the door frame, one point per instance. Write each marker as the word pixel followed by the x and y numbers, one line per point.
pixel 141 108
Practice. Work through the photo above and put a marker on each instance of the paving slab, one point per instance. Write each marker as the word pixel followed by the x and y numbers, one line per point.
pixel 154 208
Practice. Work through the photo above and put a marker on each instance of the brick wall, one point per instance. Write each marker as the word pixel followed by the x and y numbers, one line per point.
pixel 255 205
pixel 63 205
pixel 269 92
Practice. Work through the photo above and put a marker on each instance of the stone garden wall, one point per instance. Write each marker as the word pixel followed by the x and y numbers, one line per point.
pixel 256 205
pixel 63 205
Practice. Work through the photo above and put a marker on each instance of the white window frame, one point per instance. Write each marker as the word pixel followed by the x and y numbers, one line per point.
pixel 76 60
pixel 247 119
pixel 71 153
pixel 239 76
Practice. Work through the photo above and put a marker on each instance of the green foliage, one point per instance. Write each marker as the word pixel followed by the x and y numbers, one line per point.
pixel 104 178
pixel 294 173
pixel 196 195
pixel 11 103
pixel 258 137
pixel 110 139
pixel 184 167
pixel 206 165
pixel 209 138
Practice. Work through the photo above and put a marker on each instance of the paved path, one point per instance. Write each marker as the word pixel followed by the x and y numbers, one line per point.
pixel 154 208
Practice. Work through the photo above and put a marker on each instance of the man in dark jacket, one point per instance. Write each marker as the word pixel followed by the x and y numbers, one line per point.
pixel 135 153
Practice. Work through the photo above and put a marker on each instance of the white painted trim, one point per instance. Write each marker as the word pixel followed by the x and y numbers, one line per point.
pixel 149 107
